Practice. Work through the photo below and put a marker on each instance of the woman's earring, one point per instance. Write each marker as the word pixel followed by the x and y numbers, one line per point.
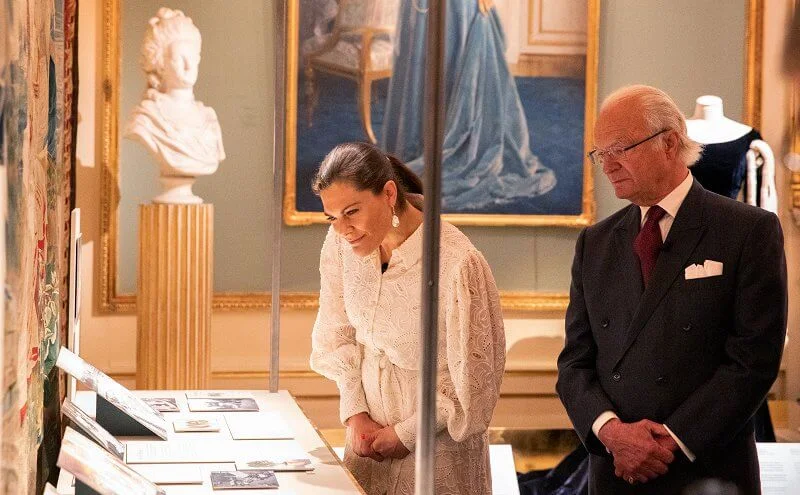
pixel 395 219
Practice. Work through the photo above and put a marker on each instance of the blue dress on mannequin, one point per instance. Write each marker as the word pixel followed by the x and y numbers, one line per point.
pixel 487 159
pixel 722 167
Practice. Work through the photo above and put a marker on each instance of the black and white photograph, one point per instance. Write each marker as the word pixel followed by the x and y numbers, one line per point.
pixel 276 463
pixel 219 394
pixel 100 470
pixel 112 391
pixel 193 425
pixel 90 427
pixel 261 478
pixel 165 404
pixel 201 405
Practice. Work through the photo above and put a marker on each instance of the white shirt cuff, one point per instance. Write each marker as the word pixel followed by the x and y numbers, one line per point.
pixel 601 420
pixel 683 447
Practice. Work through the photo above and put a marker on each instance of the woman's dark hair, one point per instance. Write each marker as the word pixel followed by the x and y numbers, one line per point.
pixel 366 167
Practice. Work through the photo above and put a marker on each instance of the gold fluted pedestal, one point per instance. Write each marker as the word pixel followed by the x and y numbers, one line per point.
pixel 174 297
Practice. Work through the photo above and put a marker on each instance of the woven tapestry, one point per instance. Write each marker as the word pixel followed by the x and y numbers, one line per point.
pixel 36 79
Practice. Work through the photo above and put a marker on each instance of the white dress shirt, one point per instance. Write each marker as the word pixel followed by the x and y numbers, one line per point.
pixel 671 204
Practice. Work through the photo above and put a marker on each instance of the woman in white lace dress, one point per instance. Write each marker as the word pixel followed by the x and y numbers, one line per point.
pixel 366 337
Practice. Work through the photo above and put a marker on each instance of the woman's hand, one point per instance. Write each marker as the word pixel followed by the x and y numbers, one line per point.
pixel 363 431
pixel 388 444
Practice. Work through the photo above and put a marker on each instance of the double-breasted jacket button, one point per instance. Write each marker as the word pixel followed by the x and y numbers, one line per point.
pixel 604 323
pixel 687 327
pixel 661 380
pixel 616 376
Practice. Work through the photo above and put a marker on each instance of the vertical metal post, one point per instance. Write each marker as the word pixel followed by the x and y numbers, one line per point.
pixel 434 136
pixel 278 159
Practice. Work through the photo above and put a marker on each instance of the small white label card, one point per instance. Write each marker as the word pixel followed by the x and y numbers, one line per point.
pixel 258 426
pixel 182 451
pixel 171 474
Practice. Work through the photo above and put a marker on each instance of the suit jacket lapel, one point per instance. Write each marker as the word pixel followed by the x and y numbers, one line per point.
pixel 625 233
pixel 686 231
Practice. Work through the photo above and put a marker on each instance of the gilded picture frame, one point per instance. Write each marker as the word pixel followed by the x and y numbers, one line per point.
pixel 298 181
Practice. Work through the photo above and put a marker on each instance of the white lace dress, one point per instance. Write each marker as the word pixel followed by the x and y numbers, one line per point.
pixel 366 338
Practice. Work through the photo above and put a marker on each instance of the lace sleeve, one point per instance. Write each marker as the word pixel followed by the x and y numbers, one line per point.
pixel 467 391
pixel 335 353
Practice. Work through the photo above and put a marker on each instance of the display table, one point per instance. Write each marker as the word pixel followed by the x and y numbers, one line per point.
pixel 328 476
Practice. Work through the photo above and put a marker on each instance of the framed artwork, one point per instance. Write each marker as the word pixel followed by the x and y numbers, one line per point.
pixel 100 470
pixel 107 388
pixel 520 102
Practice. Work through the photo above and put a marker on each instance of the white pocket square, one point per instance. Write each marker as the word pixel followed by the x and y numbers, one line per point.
pixel 709 268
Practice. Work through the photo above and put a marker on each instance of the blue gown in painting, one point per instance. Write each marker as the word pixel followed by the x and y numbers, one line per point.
pixel 487 160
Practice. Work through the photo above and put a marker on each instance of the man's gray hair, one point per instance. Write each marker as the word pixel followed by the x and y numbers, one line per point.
pixel 659 112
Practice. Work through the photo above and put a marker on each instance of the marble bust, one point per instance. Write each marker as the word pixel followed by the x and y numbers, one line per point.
pixel 181 133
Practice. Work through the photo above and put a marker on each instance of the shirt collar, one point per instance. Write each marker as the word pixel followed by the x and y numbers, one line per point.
pixel 410 251
pixel 672 201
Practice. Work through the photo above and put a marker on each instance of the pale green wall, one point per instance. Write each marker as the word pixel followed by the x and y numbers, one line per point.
pixel 236 80
pixel 686 47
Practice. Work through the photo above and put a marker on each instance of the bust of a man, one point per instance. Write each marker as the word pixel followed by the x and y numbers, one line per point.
pixel 181 133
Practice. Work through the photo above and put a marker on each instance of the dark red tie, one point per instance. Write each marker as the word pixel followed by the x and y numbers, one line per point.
pixel 648 242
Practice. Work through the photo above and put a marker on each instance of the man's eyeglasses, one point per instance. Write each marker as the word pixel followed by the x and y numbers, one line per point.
pixel 598 157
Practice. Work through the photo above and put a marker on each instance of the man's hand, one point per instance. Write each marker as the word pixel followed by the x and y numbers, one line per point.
pixel 666 441
pixel 388 444
pixel 363 430
pixel 640 451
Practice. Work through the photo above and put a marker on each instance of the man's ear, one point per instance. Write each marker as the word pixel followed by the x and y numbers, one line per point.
pixel 671 145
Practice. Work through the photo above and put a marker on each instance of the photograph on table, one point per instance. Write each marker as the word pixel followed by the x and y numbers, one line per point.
pixel 100 470
pixel 86 424
pixel 277 463
pixel 192 425
pixel 201 405
pixel 166 404
pixel 113 392
pixel 219 394
pixel 261 478
pixel 519 102
pixel 288 456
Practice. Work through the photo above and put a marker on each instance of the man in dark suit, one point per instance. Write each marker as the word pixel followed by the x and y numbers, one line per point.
pixel 677 314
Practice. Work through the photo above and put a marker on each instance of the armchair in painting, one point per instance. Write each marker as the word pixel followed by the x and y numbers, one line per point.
pixel 359 48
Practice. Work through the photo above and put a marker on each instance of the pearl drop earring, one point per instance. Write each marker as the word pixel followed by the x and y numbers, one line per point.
pixel 395 219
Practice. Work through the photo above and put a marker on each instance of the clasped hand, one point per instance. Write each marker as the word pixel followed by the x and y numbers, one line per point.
pixel 642 450
pixel 370 439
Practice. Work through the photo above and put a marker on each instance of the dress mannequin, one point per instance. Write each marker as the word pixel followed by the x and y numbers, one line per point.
pixel 709 124
pixel 732 153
